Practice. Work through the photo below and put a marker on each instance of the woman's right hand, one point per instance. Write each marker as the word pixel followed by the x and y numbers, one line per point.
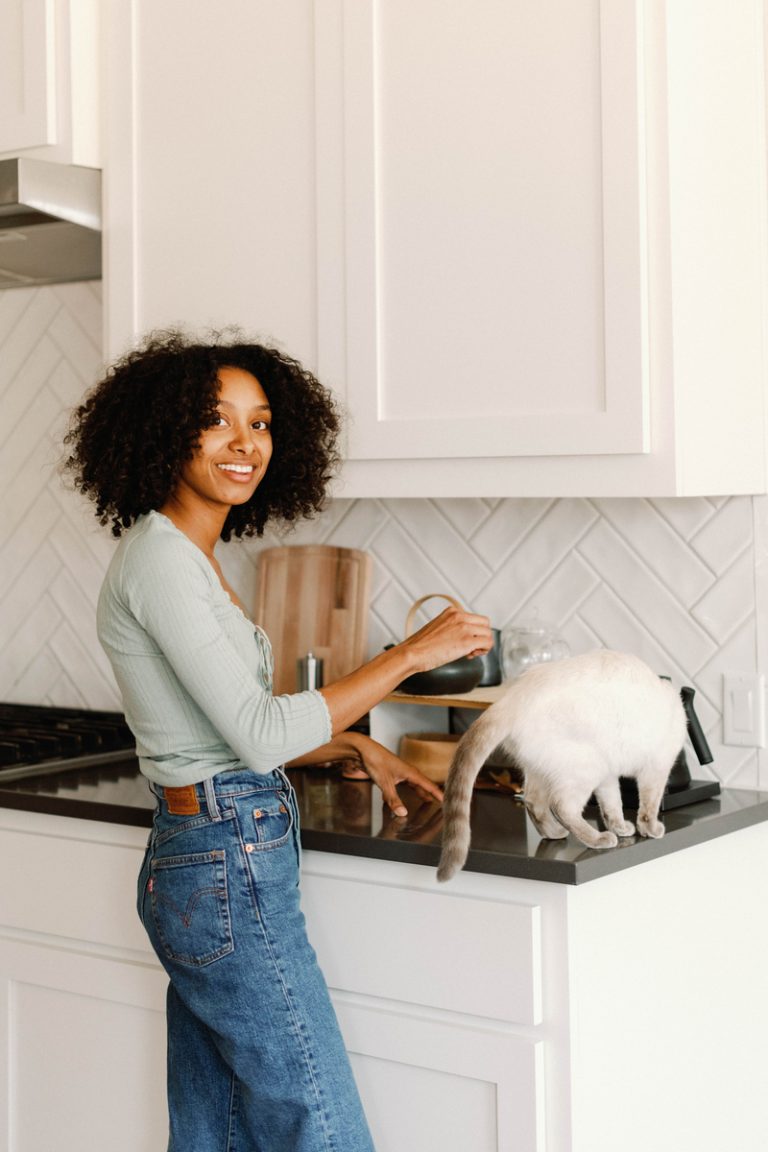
pixel 449 636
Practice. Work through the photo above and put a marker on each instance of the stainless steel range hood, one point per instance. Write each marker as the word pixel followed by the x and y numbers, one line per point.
pixel 50 223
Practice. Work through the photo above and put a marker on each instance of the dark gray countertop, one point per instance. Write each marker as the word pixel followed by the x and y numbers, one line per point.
pixel 348 817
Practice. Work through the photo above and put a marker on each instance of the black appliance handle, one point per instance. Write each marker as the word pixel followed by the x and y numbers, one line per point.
pixel 695 731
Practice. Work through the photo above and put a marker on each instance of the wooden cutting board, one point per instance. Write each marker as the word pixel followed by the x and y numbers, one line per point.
pixel 314 597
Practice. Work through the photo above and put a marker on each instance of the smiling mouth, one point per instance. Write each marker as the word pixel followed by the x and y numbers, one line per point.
pixel 237 469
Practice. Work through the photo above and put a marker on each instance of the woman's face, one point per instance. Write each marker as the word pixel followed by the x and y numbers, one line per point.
pixel 233 454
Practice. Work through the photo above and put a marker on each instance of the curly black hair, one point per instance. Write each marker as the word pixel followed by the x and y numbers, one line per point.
pixel 135 430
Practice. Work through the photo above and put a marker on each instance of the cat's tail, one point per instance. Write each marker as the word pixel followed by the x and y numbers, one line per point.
pixel 475 746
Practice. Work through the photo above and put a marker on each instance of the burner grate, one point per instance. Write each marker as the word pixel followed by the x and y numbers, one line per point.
pixel 36 740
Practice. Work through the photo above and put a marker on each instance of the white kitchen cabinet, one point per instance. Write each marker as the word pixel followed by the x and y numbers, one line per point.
pixel 524 241
pixel 49 80
pixel 438 994
pixel 26 75
pixel 75 970
pixel 635 1008
pixel 554 246
pixel 83 1067
pixel 494 302
pixel 491 1014
pixel 82 999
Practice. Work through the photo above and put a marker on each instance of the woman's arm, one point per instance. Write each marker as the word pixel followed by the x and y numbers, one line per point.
pixel 452 634
pixel 167 587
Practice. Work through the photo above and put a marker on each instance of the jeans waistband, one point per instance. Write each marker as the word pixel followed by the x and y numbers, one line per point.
pixel 211 795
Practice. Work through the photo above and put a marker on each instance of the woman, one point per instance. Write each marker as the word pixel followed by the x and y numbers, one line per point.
pixel 183 444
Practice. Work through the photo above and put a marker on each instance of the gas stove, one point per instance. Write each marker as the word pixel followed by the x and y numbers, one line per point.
pixel 36 740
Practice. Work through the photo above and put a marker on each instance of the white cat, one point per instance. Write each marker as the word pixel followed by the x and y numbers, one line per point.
pixel 573 726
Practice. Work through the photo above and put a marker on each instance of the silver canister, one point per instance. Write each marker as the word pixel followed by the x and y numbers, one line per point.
pixel 309 672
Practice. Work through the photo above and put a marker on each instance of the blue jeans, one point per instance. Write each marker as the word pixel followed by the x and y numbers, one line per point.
pixel 256 1062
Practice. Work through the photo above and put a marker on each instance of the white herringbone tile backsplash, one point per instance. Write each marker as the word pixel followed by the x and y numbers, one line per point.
pixel 52 551
pixel 672 580
pixel 680 582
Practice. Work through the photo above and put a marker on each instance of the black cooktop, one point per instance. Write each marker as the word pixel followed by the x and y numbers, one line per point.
pixel 36 739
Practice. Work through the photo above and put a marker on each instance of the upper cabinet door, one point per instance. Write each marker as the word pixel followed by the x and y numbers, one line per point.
pixel 50 80
pixel 27 75
pixel 492 301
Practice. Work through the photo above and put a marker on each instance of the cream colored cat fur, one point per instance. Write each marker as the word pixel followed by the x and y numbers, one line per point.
pixel 574 727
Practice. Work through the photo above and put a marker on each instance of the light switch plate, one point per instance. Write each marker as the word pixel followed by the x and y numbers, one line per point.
pixel 744 710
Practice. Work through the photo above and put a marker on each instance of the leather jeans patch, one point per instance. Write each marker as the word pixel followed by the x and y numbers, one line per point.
pixel 182 801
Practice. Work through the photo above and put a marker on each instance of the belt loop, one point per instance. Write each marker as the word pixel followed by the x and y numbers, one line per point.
pixel 210 798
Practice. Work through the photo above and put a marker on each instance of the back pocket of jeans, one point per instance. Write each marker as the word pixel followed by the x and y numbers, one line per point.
pixel 190 907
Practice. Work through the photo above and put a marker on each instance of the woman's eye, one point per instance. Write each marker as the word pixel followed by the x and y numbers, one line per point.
pixel 261 425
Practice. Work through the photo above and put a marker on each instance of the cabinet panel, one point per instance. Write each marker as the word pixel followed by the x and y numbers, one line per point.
pixel 437 1109
pixel 428 1084
pixel 60 896
pixel 209 207
pixel 27 74
pixel 82 1065
pixel 494 238
pixel 50 80
pixel 419 947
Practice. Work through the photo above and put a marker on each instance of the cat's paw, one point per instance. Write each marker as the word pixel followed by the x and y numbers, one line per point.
pixel 652 828
pixel 625 828
pixel 604 840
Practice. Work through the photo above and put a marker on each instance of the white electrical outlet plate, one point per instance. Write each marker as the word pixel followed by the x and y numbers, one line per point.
pixel 744 710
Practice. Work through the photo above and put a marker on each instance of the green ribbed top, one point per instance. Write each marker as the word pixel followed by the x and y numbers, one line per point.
pixel 194 673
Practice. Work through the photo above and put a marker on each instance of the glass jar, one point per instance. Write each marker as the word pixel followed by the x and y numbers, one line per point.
pixel 528 642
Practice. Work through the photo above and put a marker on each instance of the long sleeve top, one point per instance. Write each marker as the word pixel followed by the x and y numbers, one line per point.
pixel 194 673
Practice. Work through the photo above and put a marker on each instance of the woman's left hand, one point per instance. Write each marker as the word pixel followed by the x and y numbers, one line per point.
pixel 384 768
pixel 388 770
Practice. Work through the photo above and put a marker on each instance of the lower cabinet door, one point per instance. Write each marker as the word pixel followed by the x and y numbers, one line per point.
pixel 82 1058
pixel 438 1084
pixel 82 1064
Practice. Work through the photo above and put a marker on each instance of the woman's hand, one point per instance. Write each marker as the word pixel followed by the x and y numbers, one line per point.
pixel 452 634
pixel 383 767
pixel 388 770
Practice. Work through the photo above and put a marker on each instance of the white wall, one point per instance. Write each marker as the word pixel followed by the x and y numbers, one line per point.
pixel 684 583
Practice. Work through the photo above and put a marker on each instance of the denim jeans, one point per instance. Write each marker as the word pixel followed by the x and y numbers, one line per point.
pixel 256 1062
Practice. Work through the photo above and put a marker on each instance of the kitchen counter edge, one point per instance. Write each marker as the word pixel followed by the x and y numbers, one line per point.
pixel 560 862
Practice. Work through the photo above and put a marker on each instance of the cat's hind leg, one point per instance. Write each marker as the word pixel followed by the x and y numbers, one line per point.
pixel 650 790
pixel 608 796
pixel 545 822
pixel 569 812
